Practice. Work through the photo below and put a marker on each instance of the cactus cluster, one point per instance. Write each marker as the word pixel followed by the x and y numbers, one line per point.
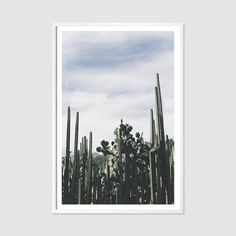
pixel 129 170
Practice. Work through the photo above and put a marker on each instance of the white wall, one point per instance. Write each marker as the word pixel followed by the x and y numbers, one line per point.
pixel 25 127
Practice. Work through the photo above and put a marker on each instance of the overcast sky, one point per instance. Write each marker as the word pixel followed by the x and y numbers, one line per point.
pixel 111 75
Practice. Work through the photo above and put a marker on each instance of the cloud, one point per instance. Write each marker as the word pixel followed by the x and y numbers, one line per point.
pixel 111 53
pixel 111 75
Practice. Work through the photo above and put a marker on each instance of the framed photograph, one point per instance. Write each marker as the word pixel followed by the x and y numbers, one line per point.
pixel 118 118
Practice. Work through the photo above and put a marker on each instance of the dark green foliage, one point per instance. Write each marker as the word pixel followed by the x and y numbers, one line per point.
pixel 129 170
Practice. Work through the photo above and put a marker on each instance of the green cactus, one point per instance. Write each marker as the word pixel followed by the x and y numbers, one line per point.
pixel 164 160
pixel 65 181
pixel 89 173
pixel 129 171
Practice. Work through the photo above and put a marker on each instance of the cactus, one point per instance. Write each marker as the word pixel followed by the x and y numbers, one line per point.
pixel 83 171
pixel 164 160
pixel 67 162
pixel 169 152
pixel 89 174
pixel 120 189
pixel 131 170
pixel 108 185
pixel 152 163
pixel 76 174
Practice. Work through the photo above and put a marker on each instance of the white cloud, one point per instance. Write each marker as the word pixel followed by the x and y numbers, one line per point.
pixel 104 95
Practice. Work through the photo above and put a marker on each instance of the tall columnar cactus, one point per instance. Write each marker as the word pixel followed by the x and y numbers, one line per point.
pixel 94 184
pixel 132 172
pixel 135 182
pixel 76 167
pixel 164 160
pixel 169 152
pixel 152 129
pixel 120 167
pixel 83 170
pixel 128 179
pixel 89 173
pixel 108 185
pixel 67 161
pixel 99 189
pixel 152 163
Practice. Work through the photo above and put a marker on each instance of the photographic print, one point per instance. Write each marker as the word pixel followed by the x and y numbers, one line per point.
pixel 118 118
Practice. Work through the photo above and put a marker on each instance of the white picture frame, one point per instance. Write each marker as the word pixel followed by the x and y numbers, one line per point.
pixel 57 206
